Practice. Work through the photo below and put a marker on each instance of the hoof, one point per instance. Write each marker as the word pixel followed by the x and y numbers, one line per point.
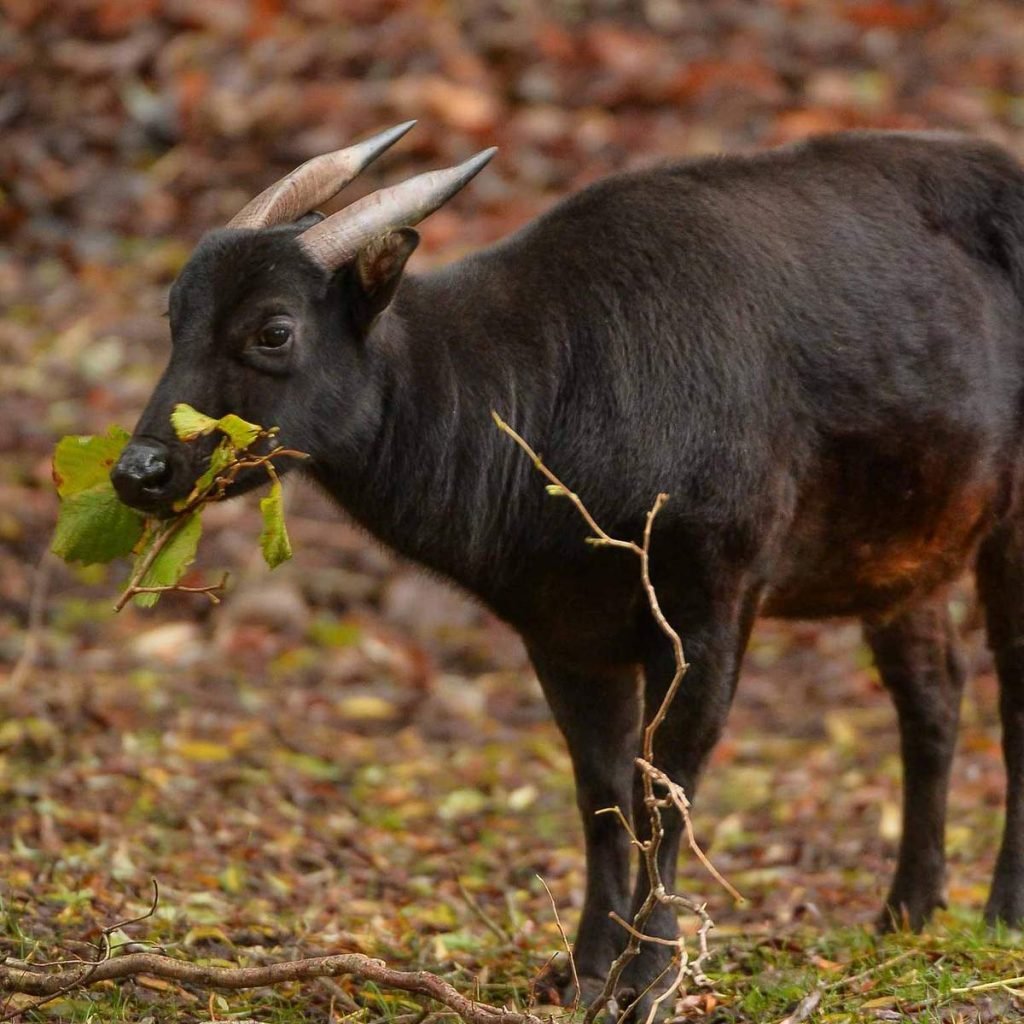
pixel 1008 911
pixel 908 913
pixel 1006 900
pixel 638 990
pixel 625 1008
pixel 555 986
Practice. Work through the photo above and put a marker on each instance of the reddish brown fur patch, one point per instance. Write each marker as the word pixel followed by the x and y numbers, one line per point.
pixel 878 577
pixel 937 555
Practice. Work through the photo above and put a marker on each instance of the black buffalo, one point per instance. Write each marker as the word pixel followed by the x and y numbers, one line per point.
pixel 818 351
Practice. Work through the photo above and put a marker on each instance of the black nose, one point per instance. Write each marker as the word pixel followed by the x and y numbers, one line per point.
pixel 142 474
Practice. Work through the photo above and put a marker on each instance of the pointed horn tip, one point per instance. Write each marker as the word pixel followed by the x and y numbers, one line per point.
pixel 475 163
pixel 371 148
pixel 485 155
pixel 393 134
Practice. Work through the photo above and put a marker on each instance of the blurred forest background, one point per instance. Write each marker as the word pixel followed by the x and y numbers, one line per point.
pixel 347 755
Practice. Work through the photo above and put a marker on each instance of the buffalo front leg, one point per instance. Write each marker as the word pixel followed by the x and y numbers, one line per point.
pixel 689 731
pixel 599 715
pixel 918 661
pixel 1001 586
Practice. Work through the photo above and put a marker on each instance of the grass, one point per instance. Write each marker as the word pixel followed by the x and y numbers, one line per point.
pixel 958 971
pixel 930 977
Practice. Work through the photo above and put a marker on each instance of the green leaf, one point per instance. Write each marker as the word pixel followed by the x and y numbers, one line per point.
pixel 189 424
pixel 173 561
pixel 274 536
pixel 80 463
pixel 222 457
pixel 241 432
pixel 94 526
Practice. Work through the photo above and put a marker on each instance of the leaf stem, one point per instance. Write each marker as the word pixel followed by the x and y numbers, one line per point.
pixel 150 557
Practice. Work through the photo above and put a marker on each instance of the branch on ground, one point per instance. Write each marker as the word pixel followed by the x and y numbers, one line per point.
pixel 51 983
pixel 57 978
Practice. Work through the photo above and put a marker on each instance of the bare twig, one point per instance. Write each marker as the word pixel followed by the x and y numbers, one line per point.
pixel 538 463
pixel 624 822
pixel 682 805
pixel 874 969
pixel 649 848
pixel 985 986
pixel 565 942
pixel 656 939
pixel 154 903
pixel 212 591
pixel 673 988
pixel 680 959
pixel 339 995
pixel 485 919
pixel 29 979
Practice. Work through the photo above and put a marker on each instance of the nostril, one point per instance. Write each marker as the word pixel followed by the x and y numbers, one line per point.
pixel 143 470
pixel 155 472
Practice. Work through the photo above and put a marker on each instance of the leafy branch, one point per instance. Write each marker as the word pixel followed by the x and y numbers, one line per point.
pixel 94 526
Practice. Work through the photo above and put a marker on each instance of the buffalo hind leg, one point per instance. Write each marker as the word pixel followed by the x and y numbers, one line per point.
pixel 918 661
pixel 1001 586
pixel 599 716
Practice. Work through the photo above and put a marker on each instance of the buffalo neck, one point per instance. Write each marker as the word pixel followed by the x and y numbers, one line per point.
pixel 432 476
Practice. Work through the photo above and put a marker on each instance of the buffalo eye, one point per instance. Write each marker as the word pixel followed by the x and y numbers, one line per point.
pixel 275 334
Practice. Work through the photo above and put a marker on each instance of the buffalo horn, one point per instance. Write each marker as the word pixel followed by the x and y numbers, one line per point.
pixel 334 241
pixel 315 182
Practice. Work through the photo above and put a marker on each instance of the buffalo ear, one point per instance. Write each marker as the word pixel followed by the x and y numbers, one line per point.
pixel 378 269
